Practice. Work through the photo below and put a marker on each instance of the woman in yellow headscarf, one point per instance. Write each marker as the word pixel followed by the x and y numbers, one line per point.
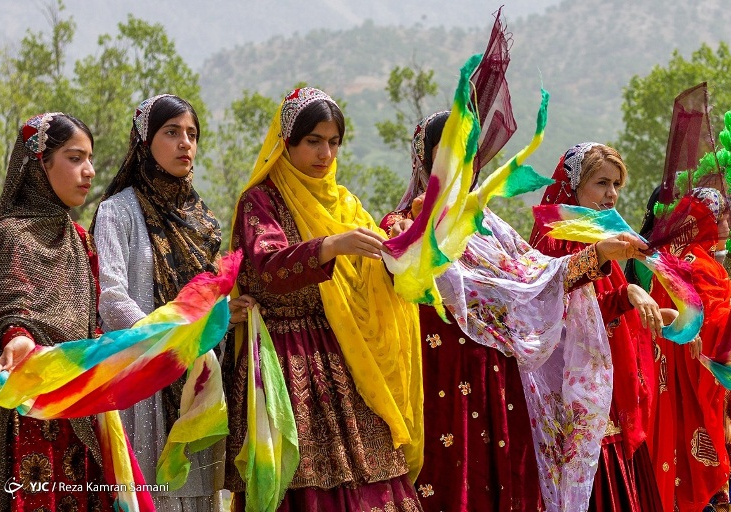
pixel 347 344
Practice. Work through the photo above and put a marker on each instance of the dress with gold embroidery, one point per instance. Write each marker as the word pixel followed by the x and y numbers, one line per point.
pixel 347 457
pixel 479 451
pixel 688 446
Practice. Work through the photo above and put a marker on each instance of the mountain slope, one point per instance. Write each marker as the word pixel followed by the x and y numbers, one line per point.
pixel 583 51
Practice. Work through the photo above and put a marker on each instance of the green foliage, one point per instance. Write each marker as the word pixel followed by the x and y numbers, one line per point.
pixel 515 212
pixel 407 89
pixel 378 188
pixel 647 110
pixel 32 80
pixel 237 143
pixel 102 91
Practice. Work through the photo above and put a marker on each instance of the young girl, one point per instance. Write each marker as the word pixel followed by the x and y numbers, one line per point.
pixel 47 296
pixel 154 234
pixel 346 342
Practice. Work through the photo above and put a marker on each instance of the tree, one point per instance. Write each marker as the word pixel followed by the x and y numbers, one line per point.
pixel 647 110
pixel 102 90
pixel 139 62
pixel 407 89
pixel 238 141
pixel 32 79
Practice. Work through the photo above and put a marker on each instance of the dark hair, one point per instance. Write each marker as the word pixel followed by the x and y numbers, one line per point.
pixel 167 108
pixel 432 137
pixel 312 115
pixel 60 130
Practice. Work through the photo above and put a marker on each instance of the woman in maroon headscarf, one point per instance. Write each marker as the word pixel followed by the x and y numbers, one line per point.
pixel 591 175
pixel 478 449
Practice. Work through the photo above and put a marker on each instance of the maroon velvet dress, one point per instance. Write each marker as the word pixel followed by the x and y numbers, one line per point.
pixel 50 461
pixel 347 458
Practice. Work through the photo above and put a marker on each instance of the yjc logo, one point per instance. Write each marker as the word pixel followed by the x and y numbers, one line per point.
pixel 11 486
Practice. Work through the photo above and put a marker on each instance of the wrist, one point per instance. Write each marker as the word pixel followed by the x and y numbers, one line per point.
pixel 15 331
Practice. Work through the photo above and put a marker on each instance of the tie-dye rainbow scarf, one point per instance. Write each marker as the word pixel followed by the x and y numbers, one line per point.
pixel 101 376
pixel 451 212
pixel 270 454
pixel 579 224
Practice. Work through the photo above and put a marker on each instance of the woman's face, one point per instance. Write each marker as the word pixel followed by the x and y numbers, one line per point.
pixel 601 191
pixel 174 145
pixel 70 170
pixel 317 150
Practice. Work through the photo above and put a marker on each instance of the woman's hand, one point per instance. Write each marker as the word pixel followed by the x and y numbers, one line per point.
pixel 668 315
pixel 695 347
pixel 358 242
pixel 15 351
pixel 239 307
pixel 417 205
pixel 399 227
pixel 647 308
pixel 620 247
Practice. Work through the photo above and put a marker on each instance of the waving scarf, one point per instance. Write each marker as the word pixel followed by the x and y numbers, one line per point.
pixel 382 350
pixel 100 376
pixel 631 344
pixel 452 212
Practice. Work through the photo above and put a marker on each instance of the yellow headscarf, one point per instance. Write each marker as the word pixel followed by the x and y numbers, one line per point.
pixel 377 330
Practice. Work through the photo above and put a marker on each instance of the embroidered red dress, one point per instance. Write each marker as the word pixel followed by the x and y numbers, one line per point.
pixel 624 479
pixel 347 459
pixel 57 469
pixel 687 437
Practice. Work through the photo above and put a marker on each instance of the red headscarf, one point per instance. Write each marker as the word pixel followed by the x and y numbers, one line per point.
pixel 630 343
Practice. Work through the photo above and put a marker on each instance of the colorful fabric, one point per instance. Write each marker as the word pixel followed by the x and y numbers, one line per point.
pixel 382 352
pixel 506 296
pixel 478 447
pixel 202 423
pixel 579 224
pixel 451 213
pixel 270 455
pixel 687 437
pixel 630 343
pixel 99 376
